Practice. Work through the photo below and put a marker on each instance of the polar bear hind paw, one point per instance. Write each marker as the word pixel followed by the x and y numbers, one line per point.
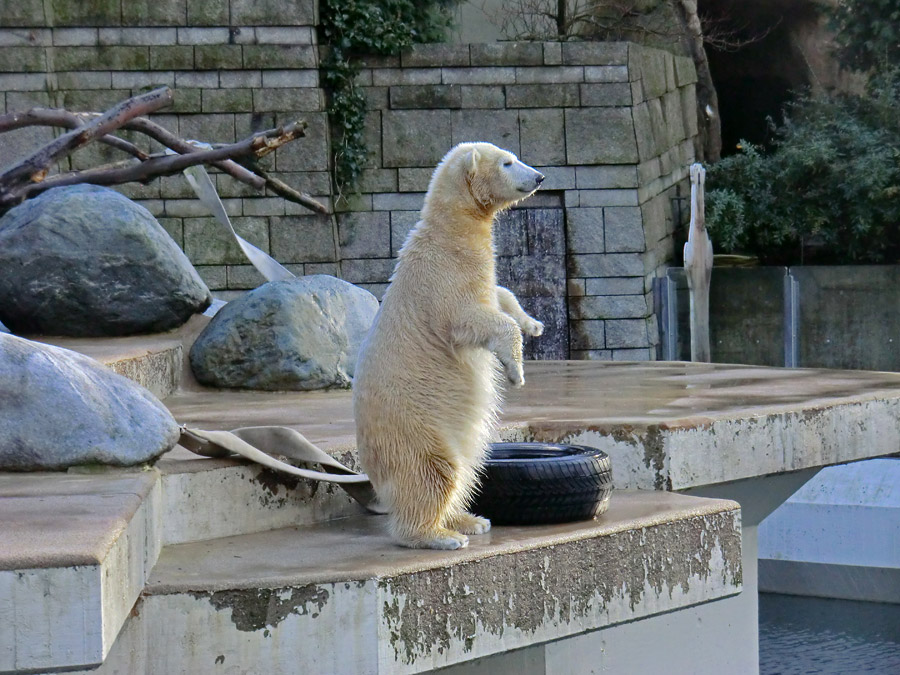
pixel 469 523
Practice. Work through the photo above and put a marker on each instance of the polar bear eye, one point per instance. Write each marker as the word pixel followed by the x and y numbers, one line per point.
pixel 507 162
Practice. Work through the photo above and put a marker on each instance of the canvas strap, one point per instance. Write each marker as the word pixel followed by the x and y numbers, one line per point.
pixel 264 445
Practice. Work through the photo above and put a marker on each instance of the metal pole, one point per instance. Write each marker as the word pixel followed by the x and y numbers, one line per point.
pixel 671 305
pixel 791 320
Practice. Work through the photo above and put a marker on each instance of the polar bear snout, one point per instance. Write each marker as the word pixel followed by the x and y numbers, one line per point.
pixel 533 182
pixel 527 180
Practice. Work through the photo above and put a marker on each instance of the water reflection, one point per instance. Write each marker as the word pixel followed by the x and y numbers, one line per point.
pixel 802 636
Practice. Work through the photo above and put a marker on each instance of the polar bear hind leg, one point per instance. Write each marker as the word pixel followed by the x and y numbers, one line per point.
pixel 418 513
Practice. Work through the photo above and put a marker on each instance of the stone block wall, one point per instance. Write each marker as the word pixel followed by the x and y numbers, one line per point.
pixel 235 67
pixel 610 124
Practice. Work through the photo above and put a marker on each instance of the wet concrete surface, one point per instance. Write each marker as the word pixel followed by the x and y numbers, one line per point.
pixel 568 397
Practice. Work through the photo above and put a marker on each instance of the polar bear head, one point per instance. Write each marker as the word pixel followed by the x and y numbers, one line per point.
pixel 481 173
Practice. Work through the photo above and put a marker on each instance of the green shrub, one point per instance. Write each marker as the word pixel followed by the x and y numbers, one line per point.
pixel 354 28
pixel 867 32
pixel 827 192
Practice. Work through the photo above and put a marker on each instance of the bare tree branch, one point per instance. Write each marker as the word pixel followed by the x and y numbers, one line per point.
pixel 259 145
pixel 34 167
pixel 57 117
pixel 284 190
pixel 29 177
pixel 165 137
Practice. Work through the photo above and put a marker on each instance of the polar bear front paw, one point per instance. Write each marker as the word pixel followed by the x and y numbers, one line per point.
pixel 532 327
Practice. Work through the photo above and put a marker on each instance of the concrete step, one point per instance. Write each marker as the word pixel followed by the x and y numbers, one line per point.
pixel 157 362
pixel 75 553
pixel 668 426
pixel 340 597
pixel 209 498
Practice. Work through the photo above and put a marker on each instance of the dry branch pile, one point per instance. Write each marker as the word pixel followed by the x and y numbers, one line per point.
pixel 30 176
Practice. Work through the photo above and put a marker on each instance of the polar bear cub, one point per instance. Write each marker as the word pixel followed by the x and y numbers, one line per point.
pixel 425 390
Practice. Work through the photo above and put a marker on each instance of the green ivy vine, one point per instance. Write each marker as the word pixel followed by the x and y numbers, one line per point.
pixel 355 28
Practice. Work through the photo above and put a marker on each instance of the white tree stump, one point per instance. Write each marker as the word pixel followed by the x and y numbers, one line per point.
pixel 698 262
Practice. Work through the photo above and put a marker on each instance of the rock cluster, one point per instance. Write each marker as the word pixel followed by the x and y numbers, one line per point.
pixel 60 409
pixel 298 334
pixel 86 261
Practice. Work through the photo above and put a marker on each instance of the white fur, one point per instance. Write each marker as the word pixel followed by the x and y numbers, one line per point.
pixel 426 384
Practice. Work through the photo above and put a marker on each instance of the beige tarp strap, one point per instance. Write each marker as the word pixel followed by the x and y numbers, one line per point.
pixel 263 444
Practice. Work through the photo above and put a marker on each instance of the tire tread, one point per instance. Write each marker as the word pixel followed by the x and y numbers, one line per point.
pixel 576 484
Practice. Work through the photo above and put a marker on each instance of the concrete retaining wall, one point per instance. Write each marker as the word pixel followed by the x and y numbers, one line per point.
pixel 848 316
pixel 611 124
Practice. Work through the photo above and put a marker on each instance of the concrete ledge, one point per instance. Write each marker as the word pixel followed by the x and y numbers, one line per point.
pixel 194 506
pixel 669 426
pixel 341 598
pixel 75 552
pixel 157 362
pixel 828 580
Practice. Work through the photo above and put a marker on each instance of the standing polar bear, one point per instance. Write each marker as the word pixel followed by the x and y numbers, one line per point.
pixel 425 391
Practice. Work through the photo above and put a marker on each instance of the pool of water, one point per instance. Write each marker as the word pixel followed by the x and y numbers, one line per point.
pixel 806 636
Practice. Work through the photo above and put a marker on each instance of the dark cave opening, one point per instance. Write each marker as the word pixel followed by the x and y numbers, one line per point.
pixel 758 58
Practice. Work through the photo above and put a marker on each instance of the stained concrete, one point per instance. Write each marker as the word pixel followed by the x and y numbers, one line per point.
pixel 668 425
pixel 357 548
pixel 342 598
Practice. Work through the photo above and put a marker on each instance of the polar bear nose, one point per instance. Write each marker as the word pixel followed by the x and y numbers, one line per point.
pixel 539 178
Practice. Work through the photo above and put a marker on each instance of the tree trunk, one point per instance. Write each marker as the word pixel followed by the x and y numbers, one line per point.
pixel 709 148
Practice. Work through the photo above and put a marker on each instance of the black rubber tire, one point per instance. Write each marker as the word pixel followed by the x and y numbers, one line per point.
pixel 533 483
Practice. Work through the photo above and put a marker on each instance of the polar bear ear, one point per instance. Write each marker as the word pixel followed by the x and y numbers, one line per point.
pixel 472 161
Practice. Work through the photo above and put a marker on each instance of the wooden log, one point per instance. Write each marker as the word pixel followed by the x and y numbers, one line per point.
pixel 30 176
pixel 58 117
pixel 258 144
pixel 34 168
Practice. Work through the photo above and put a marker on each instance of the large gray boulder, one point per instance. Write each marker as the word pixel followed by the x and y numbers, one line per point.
pixel 60 409
pixel 86 261
pixel 303 333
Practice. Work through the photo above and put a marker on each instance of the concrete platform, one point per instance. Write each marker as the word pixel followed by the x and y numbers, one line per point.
pixel 733 431
pixel 75 553
pixel 340 598
pixel 669 426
